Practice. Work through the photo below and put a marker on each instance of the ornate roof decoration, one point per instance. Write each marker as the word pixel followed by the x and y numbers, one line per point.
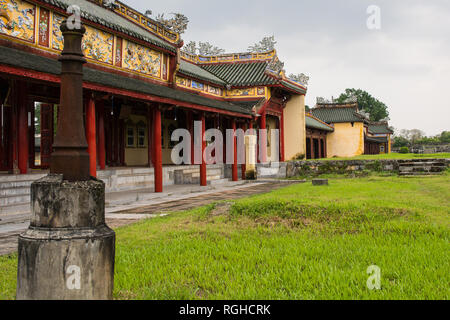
pixel 265 45
pixel 321 100
pixel 275 66
pixel 228 57
pixel 177 24
pixel 351 99
pixel 110 4
pixel 300 78
pixel 364 114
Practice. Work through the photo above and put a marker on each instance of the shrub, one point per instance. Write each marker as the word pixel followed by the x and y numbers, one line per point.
pixel 299 156
pixel 404 150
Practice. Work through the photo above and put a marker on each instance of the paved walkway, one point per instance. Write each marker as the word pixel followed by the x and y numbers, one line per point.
pixel 124 213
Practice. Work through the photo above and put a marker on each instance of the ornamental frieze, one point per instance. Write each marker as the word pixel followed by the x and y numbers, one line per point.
pixel 141 59
pixel 17 19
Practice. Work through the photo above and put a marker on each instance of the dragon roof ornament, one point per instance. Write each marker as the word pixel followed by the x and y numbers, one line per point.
pixel 276 66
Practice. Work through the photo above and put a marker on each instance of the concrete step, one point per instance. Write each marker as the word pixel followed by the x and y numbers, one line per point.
pixel 15 208
pixel 418 174
pixel 418 164
pixel 16 191
pixel 7 200
pixel 422 169
pixel 21 177
pixel 15 184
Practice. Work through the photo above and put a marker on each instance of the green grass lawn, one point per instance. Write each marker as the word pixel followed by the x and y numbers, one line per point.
pixel 396 156
pixel 299 242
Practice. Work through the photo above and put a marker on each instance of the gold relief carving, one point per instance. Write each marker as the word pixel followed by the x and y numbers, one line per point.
pixel 17 19
pixel 248 92
pixel 57 37
pixel 141 59
pixel 98 45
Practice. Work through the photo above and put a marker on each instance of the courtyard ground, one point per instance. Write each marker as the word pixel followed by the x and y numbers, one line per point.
pixel 298 242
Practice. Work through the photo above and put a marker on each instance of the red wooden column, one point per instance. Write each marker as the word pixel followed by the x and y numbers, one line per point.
pixel 234 165
pixel 313 156
pixel 151 160
pixel 243 166
pixel 203 174
pixel 158 150
pixel 263 147
pixel 23 147
pixel 282 153
pixel 101 135
pixel 90 136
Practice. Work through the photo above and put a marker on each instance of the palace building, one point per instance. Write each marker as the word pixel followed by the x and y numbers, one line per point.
pixel 352 133
pixel 139 86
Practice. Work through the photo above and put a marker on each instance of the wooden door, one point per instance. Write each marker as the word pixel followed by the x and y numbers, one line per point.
pixel 47 121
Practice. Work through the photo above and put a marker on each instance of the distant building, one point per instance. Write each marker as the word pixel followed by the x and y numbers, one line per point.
pixel 354 134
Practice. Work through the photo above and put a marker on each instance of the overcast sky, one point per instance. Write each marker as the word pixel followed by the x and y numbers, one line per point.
pixel 406 64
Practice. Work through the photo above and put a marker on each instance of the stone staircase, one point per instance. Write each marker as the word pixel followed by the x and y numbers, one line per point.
pixel 422 167
pixel 15 192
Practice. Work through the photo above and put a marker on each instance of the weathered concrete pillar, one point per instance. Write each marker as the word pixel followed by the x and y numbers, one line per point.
pixel 68 251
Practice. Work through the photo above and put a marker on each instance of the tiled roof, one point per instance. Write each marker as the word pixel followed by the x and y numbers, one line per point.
pixel 109 19
pixel 241 74
pixel 190 69
pixel 248 104
pixel 25 60
pixel 293 87
pixel 333 114
pixel 379 129
pixel 314 123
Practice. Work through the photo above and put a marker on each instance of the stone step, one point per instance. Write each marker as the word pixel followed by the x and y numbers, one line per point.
pixel 16 208
pixel 12 192
pixel 416 174
pixel 416 164
pixel 11 200
pixel 21 177
pixel 422 169
pixel 15 184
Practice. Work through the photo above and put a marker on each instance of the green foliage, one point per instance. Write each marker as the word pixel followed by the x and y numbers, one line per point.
pixel 299 157
pixel 404 150
pixel 400 141
pixel 445 137
pixel 377 109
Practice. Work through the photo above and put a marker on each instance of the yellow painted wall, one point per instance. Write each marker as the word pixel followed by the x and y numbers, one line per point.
pixel 346 140
pixel 294 127
pixel 136 156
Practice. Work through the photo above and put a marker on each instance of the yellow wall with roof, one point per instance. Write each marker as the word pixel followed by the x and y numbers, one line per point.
pixel 347 140
pixel 294 127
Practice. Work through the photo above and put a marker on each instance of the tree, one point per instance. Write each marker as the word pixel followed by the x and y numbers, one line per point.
pixel 377 109
pixel 399 142
pixel 445 137
pixel 203 49
pixel 265 45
